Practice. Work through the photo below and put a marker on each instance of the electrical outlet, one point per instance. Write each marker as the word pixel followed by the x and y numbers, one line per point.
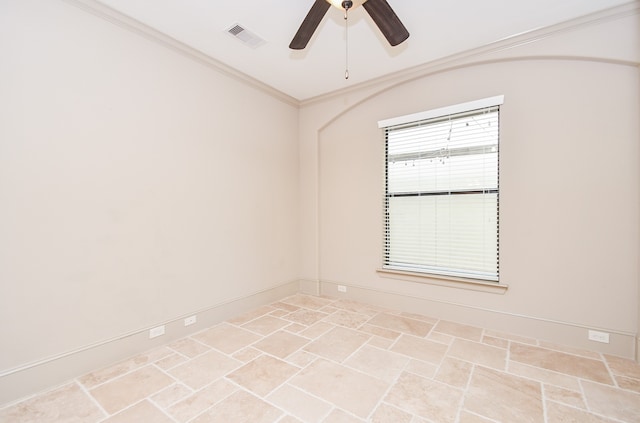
pixel 157 331
pixel 603 337
pixel 190 320
pixel 342 288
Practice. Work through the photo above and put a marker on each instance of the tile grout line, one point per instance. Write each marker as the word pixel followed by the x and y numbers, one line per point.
pixel 163 410
pixel 464 390
pixel 119 375
pixel 543 380
pixel 612 375
pixel 543 398
pixel 390 387
pixel 202 412
pixel 92 399
pixel 608 418
pixel 180 383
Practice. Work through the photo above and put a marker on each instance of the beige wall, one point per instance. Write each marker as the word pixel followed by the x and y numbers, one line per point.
pixel 569 175
pixel 133 192
pixel 137 185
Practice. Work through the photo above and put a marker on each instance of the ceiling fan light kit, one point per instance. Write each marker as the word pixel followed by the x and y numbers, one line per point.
pixel 340 4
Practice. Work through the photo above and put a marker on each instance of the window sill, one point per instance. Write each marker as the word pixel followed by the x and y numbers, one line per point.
pixel 442 280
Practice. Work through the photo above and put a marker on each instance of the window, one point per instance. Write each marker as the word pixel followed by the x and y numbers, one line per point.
pixel 441 191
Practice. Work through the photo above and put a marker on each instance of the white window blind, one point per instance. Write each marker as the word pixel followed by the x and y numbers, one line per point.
pixel 441 193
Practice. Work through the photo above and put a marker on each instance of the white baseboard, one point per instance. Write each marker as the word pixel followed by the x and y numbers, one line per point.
pixel 45 374
pixel 310 287
pixel 570 334
pixel 50 372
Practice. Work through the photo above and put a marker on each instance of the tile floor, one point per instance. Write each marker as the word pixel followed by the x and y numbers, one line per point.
pixel 313 359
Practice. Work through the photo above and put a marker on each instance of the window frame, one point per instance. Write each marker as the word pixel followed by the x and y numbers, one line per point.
pixel 422 271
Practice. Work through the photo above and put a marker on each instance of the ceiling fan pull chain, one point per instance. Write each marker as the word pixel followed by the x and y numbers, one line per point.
pixel 346 5
pixel 346 47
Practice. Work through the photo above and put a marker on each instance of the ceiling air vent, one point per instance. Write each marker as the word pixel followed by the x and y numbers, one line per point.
pixel 244 35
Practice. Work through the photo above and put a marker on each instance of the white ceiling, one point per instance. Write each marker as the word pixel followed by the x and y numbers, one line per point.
pixel 438 29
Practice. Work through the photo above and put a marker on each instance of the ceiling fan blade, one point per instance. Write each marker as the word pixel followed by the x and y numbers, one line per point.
pixel 309 24
pixel 387 21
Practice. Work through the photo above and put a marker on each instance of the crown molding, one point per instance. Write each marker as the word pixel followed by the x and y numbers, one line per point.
pixel 107 13
pixel 102 11
pixel 479 54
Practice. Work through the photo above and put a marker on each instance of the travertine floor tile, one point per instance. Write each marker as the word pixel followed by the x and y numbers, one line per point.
pixel 188 347
pixel 337 344
pixel 305 316
pixel 265 325
pixel 319 359
pixel 329 309
pixel 301 358
pixel 616 403
pixel 247 354
pixel 543 375
pixel 495 342
pixel 339 416
pixel 628 383
pixel 623 366
pixel 382 343
pixel 564 396
pixel 289 419
pixel 100 376
pixel 66 404
pixel 281 344
pixel 284 306
pixel 441 338
pixel 263 375
pixel 381 332
pixel 504 397
pixel 417 316
pixel 581 367
pixel 194 404
pixel 356 392
pixel 510 337
pixel 141 412
pixel 388 414
pixel 316 330
pixel 569 350
pixel 226 338
pixel 356 307
pixel 279 312
pixel 347 319
pixel 461 331
pixel 204 369
pixel 559 413
pixel 251 315
pixel 401 324
pixel 295 328
pixel 126 390
pixel 384 365
pixel 171 361
pixel 307 301
pixel 422 368
pixel 240 407
pixel 171 395
pixel 467 417
pixel 478 353
pixel 422 349
pixel 454 372
pixel 300 404
pixel 429 399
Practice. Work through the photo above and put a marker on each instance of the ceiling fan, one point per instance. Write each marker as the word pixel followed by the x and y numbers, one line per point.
pixel 379 10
